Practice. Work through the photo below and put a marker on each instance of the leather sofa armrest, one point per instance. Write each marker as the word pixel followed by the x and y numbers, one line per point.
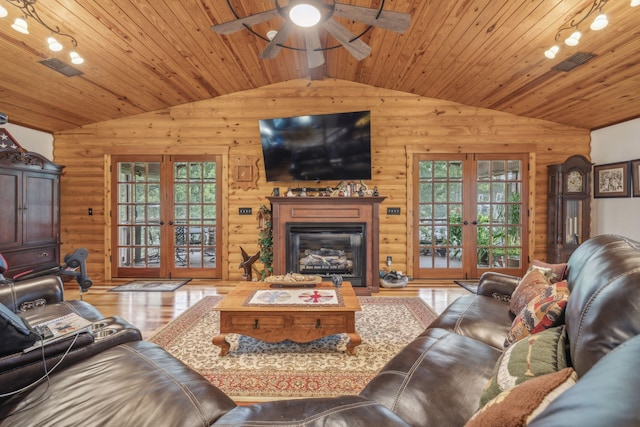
pixel 21 369
pixel 31 293
pixel 497 285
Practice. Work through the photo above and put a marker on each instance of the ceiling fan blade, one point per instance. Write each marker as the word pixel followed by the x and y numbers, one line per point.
pixel 240 24
pixel 274 46
pixel 389 20
pixel 315 57
pixel 357 48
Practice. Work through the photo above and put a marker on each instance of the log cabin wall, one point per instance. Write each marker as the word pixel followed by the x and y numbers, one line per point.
pixel 401 124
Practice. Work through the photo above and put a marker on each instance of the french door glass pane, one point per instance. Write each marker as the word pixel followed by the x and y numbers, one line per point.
pixel 499 228
pixel 138 215
pixel 195 213
pixel 440 210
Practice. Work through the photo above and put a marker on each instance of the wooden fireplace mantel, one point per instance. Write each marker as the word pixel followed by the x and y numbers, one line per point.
pixel 287 210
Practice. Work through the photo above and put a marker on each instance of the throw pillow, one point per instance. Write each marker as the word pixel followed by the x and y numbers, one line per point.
pixel 544 311
pixel 531 285
pixel 537 355
pixel 553 272
pixel 521 404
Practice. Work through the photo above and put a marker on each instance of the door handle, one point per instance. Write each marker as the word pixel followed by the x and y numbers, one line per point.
pixel 465 222
pixel 170 222
pixel 475 223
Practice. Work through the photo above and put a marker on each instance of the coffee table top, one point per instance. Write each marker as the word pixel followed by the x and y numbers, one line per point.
pixel 236 299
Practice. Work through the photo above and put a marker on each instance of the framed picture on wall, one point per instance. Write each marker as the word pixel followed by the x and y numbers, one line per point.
pixel 635 177
pixel 611 180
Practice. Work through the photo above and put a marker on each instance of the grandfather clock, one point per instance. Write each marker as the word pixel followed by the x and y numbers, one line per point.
pixel 569 207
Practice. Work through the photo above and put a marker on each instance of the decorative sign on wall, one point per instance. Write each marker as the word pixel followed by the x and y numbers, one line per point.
pixel 245 172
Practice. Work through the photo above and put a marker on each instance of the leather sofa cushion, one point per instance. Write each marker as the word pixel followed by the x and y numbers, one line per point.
pixel 351 411
pixel 604 308
pixel 482 318
pixel 435 380
pixel 21 369
pixel 136 384
pixel 607 395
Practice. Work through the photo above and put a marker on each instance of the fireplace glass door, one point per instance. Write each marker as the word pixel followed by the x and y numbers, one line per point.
pixel 327 250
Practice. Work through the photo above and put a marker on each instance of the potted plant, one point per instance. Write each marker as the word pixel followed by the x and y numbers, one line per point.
pixel 265 241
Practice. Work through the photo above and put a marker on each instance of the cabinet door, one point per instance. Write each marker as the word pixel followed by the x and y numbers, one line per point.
pixel 40 208
pixel 10 209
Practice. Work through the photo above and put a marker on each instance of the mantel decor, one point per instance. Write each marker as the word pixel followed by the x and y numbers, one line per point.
pixel 611 180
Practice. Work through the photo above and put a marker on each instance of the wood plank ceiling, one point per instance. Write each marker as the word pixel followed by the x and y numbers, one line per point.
pixel 146 55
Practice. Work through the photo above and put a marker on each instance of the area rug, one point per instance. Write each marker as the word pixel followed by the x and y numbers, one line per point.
pixel 254 371
pixel 156 285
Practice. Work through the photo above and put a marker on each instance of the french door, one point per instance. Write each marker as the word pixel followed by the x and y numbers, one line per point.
pixel 469 214
pixel 165 216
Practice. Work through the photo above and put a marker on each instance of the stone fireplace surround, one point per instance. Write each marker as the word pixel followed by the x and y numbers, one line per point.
pixel 328 210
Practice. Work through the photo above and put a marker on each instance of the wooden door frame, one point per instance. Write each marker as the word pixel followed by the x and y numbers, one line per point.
pixel 186 149
pixel 479 148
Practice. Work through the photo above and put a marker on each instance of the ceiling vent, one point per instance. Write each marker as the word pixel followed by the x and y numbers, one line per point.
pixel 61 67
pixel 573 61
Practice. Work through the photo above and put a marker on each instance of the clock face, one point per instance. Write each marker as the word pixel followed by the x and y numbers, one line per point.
pixel 574 182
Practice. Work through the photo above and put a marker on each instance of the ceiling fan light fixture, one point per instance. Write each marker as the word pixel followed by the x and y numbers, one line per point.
pixel 305 15
pixel 4 12
pixel 635 3
pixel 600 22
pixel 21 26
pixel 271 34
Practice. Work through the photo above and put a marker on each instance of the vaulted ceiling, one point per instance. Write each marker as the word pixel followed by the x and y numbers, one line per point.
pixel 146 55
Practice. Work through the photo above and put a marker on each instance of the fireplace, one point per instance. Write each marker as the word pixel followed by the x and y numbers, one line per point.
pixel 327 236
pixel 327 250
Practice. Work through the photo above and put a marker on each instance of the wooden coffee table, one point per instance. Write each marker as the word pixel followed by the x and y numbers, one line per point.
pixel 275 323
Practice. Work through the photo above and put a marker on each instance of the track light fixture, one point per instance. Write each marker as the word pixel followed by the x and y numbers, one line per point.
pixel 28 10
pixel 598 23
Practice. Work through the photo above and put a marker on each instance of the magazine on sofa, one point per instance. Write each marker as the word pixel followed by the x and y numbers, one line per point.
pixel 59 328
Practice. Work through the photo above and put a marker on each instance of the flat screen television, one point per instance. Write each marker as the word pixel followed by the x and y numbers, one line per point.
pixel 318 147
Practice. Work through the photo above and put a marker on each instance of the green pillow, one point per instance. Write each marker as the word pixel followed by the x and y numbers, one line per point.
pixel 535 355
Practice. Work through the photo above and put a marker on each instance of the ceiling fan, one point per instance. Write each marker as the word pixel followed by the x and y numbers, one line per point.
pixel 309 15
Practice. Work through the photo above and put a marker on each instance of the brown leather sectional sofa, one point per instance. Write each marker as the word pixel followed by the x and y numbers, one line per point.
pixel 437 380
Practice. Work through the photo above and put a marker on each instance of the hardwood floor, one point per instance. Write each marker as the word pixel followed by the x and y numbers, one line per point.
pixel 150 311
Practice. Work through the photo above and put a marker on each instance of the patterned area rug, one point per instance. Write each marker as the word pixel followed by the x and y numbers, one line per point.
pixel 156 285
pixel 254 370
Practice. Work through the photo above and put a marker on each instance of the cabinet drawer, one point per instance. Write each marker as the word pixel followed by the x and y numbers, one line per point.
pixel 31 259
pixel 319 320
pixel 248 321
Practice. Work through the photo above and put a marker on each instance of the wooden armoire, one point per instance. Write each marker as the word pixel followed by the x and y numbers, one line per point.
pixel 29 208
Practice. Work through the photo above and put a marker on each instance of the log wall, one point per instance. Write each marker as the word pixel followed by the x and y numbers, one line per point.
pixel 402 123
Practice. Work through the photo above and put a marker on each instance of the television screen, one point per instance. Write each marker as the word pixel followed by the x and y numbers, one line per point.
pixel 318 147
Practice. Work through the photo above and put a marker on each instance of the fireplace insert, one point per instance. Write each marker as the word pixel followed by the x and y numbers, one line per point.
pixel 328 249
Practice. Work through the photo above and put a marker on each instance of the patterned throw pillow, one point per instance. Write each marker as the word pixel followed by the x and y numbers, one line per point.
pixel 531 285
pixel 544 311
pixel 520 405
pixel 536 355
pixel 553 272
